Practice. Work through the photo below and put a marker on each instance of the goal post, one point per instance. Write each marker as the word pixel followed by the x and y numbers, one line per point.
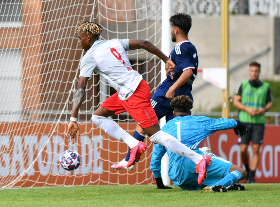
pixel 166 47
pixel 225 56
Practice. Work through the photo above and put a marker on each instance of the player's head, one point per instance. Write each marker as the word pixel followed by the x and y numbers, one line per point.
pixel 88 33
pixel 254 71
pixel 180 25
pixel 181 105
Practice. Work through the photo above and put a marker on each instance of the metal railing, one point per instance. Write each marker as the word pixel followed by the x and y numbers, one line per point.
pixel 275 115
pixel 67 113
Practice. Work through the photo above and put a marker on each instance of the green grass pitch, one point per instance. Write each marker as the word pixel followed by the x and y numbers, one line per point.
pixel 139 195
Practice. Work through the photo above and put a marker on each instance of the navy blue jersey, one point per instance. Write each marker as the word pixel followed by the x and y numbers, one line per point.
pixel 184 55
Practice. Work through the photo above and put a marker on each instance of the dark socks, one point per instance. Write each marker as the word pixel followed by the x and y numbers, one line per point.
pixel 137 136
pixel 247 168
pixel 248 171
pixel 252 174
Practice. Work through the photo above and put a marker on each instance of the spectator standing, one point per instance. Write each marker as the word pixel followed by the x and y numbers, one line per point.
pixel 253 98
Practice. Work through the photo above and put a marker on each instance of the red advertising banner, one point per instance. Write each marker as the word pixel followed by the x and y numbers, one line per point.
pixel 224 144
pixel 30 156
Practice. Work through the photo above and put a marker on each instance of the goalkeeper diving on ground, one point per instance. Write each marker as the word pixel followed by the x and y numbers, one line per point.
pixel 191 131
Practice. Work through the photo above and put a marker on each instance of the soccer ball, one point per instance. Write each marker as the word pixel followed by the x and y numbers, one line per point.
pixel 70 160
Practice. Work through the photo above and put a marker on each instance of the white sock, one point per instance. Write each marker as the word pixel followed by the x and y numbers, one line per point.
pixel 175 146
pixel 114 130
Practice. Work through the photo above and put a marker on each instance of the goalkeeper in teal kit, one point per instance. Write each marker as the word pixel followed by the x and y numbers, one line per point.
pixel 191 131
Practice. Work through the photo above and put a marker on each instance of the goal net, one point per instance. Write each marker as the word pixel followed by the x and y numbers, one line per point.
pixel 39 58
pixel 39 64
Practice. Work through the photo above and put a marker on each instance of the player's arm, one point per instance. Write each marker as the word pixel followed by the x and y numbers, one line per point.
pixel 213 125
pixel 184 77
pixel 261 111
pixel 146 45
pixel 269 104
pixel 186 62
pixel 237 102
pixel 73 127
pixel 158 153
pixel 79 96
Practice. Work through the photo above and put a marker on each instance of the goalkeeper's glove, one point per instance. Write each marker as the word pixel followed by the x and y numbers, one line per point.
pixel 240 129
pixel 160 184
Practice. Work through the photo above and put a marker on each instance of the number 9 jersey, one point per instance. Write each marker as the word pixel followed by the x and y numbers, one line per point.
pixel 109 59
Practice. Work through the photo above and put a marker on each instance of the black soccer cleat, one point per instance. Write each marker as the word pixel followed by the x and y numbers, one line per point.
pixel 236 186
pixel 219 188
pixel 215 188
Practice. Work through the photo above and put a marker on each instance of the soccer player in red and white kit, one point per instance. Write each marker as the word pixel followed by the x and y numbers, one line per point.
pixel 109 59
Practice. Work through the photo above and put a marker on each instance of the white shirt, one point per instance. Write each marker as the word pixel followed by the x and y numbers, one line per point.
pixel 109 59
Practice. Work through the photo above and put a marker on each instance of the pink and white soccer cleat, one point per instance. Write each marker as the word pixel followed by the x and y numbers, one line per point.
pixel 201 168
pixel 136 152
pixel 122 165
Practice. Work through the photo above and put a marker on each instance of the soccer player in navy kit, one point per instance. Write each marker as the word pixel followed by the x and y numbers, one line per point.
pixel 191 131
pixel 178 82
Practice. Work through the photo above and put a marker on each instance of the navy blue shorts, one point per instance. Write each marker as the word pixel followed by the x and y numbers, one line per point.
pixel 255 133
pixel 162 110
